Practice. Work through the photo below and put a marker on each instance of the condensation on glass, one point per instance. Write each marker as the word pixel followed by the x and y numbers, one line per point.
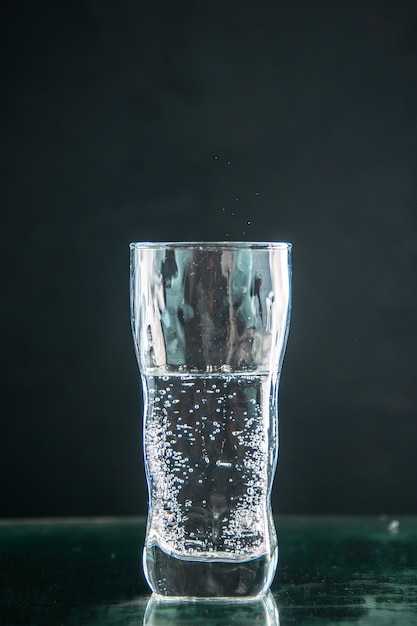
pixel 210 324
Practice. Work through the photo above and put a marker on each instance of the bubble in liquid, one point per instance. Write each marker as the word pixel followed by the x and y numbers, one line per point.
pixel 221 461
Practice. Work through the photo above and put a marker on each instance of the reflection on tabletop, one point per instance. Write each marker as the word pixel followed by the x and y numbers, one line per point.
pixel 261 612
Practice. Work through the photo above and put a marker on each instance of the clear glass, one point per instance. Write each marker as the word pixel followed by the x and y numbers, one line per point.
pixel 210 324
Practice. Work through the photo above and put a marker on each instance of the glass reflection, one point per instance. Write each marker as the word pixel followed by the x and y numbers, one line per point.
pixel 261 612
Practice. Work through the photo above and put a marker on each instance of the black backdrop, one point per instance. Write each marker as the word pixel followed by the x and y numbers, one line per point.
pixel 218 120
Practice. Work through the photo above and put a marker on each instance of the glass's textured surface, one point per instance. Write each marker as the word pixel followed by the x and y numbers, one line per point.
pixel 210 307
pixel 334 571
pixel 210 323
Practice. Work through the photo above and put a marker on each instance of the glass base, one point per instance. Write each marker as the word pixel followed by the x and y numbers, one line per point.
pixel 171 577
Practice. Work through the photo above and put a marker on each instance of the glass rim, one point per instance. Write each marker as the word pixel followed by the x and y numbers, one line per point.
pixel 207 245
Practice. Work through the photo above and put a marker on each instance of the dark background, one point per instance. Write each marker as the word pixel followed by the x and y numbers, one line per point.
pixel 188 120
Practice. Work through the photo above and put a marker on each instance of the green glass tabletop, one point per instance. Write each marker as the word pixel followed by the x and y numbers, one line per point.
pixel 353 571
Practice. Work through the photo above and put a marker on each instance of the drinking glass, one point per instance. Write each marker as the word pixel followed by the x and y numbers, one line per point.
pixel 210 323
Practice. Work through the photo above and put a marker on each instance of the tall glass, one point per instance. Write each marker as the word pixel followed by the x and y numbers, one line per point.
pixel 210 324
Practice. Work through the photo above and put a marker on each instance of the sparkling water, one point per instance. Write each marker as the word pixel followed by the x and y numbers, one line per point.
pixel 210 453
